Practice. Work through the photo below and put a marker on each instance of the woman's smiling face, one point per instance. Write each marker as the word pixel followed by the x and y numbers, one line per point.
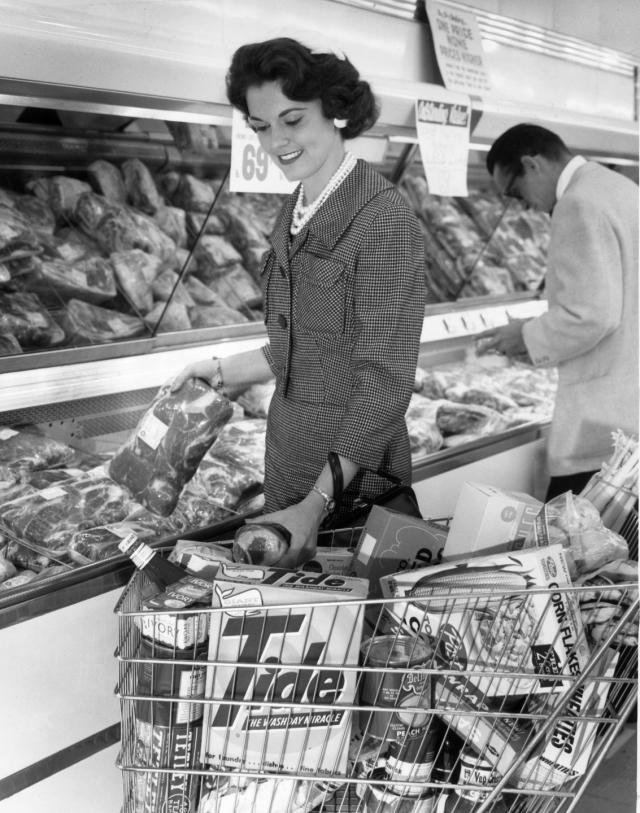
pixel 301 141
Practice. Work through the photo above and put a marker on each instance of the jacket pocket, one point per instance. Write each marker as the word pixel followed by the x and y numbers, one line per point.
pixel 319 305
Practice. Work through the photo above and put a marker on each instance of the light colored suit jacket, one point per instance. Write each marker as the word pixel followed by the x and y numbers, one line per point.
pixel 590 330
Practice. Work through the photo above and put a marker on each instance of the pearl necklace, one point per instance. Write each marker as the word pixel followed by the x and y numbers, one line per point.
pixel 302 214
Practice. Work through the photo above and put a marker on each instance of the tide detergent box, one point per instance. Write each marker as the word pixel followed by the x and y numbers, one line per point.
pixel 279 643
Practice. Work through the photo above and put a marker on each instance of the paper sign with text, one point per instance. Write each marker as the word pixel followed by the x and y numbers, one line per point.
pixel 442 124
pixel 251 168
pixel 458 47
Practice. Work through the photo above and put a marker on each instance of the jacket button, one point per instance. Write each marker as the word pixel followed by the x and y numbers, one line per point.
pixel 282 321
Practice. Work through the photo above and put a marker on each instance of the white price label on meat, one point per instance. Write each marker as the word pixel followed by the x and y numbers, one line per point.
pixel 251 168
pixel 6 433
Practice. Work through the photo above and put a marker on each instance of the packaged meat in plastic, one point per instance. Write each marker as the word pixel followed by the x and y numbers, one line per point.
pixel 91 280
pixel 198 222
pixel 576 523
pixel 173 222
pixel 73 244
pixel 214 253
pixel 85 322
pixel 235 287
pixel 242 444
pixel 151 237
pixel 38 213
pixel 101 542
pixel 24 316
pixel 167 317
pixel 12 224
pixel 25 451
pixel 108 180
pixel 9 345
pixel 192 194
pixel 61 192
pixel 256 399
pixel 424 435
pixel 169 442
pixel 44 517
pixel 135 270
pixel 164 288
pixel 468 419
pixel 142 191
pixel 91 209
pixel 216 315
pixel 200 293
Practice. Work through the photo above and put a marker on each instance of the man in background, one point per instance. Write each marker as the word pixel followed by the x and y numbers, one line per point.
pixel 590 329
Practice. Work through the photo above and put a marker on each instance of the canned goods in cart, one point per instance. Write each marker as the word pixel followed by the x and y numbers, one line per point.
pixel 383 800
pixel 162 677
pixel 388 690
pixel 412 759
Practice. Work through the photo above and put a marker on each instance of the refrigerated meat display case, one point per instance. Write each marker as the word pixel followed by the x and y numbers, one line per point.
pixel 132 162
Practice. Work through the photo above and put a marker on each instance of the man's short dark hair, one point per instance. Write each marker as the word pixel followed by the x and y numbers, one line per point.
pixel 524 139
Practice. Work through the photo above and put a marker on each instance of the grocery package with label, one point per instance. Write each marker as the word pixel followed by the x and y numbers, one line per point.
pixel 280 624
pixel 506 627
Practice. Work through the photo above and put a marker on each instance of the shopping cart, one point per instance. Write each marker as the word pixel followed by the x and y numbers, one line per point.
pixel 394 725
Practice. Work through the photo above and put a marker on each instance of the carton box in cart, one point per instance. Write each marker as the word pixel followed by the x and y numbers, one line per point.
pixel 391 542
pixel 519 620
pixel 318 624
pixel 486 519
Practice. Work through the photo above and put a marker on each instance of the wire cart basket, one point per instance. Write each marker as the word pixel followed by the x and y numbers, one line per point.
pixel 481 697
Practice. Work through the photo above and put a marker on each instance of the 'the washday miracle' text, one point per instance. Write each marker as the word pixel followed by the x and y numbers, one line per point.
pixel 443 113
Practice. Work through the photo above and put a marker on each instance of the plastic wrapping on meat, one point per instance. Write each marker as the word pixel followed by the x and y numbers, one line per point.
pixel 169 443
pixel 200 293
pixel 101 542
pixel 61 192
pixel 197 222
pixel 37 212
pixel 141 188
pixel 12 224
pixel 215 315
pixel 9 345
pixel 24 316
pixel 153 239
pixel 172 221
pixel 91 280
pixel 256 399
pixel 85 502
pixel 167 317
pixel 73 244
pixel 91 209
pixel 424 435
pixel 214 254
pixel 27 451
pixel 135 270
pixel 163 287
pixel 108 180
pixel 192 194
pixel 235 287
pixel 85 322
pixel 468 419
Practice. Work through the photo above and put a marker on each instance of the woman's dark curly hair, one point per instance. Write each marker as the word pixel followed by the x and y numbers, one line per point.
pixel 304 76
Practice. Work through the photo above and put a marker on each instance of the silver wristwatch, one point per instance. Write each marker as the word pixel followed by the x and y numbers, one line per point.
pixel 329 502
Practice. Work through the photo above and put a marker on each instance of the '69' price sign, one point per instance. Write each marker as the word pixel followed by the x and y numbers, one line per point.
pixel 251 168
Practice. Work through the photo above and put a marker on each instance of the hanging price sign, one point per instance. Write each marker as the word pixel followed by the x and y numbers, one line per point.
pixel 442 125
pixel 251 168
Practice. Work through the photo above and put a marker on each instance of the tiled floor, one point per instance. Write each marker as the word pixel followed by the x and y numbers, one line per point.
pixel 613 788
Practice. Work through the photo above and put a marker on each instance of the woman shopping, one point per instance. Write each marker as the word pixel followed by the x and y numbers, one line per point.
pixel 343 287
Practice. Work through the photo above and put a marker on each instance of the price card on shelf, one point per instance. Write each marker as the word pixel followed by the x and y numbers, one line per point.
pixel 442 124
pixel 251 168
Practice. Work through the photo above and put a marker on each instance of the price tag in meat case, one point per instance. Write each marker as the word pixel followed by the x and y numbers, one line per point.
pixel 443 125
pixel 251 168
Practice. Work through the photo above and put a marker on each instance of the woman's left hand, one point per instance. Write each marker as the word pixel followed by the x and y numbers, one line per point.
pixel 302 520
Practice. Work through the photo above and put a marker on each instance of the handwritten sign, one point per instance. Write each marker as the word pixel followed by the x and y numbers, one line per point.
pixel 251 168
pixel 458 47
pixel 442 125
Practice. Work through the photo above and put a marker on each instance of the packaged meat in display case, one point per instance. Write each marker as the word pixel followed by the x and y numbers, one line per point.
pixel 169 442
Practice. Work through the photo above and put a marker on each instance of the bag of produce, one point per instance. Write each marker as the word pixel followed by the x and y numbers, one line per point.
pixel 169 442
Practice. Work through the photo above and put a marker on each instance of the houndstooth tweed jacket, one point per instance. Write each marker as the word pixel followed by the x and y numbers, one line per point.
pixel 344 307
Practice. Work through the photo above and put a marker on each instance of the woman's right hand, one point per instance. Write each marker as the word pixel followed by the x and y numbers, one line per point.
pixel 198 369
